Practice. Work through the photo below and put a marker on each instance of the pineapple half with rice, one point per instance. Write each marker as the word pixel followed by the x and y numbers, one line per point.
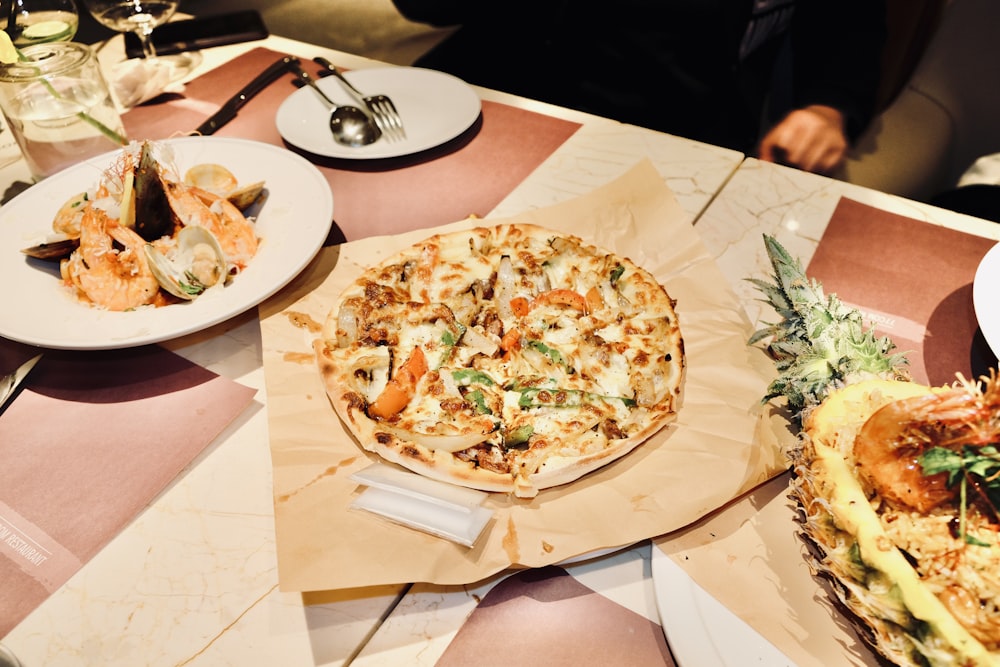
pixel 897 483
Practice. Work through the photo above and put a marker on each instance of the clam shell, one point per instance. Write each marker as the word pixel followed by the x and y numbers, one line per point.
pixel 211 177
pixel 220 181
pixel 196 264
pixel 245 196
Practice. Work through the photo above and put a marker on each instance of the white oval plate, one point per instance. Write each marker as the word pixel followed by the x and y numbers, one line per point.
pixel 986 297
pixel 38 309
pixel 435 107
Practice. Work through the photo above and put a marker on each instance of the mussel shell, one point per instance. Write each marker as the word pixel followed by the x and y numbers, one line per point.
pixel 198 263
pixel 53 251
pixel 153 216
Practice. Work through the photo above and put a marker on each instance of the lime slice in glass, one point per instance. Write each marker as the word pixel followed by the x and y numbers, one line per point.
pixel 46 31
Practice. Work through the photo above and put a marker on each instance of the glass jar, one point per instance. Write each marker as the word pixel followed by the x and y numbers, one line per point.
pixel 58 106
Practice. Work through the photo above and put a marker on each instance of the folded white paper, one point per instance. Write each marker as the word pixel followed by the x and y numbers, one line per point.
pixel 444 510
pixel 139 80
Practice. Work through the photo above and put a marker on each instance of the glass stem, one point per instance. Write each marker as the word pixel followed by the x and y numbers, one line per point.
pixel 145 35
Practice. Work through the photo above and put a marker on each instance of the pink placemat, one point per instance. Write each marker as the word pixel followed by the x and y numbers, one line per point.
pixel 86 444
pixel 467 176
pixel 913 280
pixel 546 617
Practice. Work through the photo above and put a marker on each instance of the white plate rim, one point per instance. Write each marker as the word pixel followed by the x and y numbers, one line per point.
pixel 299 198
pixel 699 629
pixel 985 301
pixel 301 117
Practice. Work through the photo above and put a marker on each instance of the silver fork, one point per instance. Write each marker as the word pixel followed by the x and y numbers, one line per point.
pixel 381 107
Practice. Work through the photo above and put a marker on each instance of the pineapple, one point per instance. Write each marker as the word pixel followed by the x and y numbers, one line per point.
pixel 820 344
pixel 883 563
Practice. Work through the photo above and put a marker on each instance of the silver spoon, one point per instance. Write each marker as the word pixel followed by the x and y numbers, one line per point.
pixel 350 126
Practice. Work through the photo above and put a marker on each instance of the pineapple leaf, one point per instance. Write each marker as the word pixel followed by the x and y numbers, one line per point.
pixel 820 343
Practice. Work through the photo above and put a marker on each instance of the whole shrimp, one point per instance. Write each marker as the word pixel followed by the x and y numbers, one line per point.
pixel 889 447
pixel 109 268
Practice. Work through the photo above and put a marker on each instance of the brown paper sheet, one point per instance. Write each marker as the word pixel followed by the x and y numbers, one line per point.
pixel 469 175
pixel 704 460
pixel 557 621
pixel 913 279
pixel 85 445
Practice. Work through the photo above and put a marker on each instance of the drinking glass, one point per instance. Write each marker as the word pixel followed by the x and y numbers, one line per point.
pixel 39 21
pixel 58 106
pixel 141 17
pixel 136 16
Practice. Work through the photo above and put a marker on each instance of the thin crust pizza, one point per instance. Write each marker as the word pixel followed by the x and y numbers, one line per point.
pixel 509 358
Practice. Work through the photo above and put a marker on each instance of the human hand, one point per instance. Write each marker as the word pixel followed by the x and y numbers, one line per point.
pixel 811 138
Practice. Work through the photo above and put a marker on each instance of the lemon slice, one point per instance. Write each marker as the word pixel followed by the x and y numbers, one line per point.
pixel 45 30
pixel 8 53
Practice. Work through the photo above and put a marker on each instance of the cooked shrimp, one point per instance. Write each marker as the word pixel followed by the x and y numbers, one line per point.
pixel 889 446
pixel 234 232
pixel 109 267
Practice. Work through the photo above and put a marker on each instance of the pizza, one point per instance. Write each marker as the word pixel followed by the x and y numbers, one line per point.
pixel 509 358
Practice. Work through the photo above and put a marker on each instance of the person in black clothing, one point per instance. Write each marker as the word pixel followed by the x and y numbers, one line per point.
pixel 702 69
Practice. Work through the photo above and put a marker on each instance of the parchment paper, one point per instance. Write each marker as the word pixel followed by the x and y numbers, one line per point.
pixel 709 456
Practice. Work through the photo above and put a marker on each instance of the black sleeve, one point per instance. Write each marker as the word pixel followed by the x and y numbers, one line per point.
pixel 837 55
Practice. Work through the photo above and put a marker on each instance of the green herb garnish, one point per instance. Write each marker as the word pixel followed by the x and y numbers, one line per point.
pixel 975 466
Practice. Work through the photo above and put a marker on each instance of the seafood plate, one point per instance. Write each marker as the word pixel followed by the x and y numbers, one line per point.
pixel 143 236
pixel 233 222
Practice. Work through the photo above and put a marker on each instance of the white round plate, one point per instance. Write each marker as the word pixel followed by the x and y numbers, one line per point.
pixel 699 628
pixel 293 224
pixel 435 107
pixel 986 297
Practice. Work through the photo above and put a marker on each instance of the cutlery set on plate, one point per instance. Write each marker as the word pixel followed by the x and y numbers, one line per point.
pixel 350 125
pixel 381 108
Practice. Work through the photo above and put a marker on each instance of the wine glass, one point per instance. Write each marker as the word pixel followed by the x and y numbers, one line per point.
pixel 140 17
pixel 38 21
pixel 137 16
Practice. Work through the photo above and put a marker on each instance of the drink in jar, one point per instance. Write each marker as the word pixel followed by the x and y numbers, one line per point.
pixel 58 107
pixel 53 133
